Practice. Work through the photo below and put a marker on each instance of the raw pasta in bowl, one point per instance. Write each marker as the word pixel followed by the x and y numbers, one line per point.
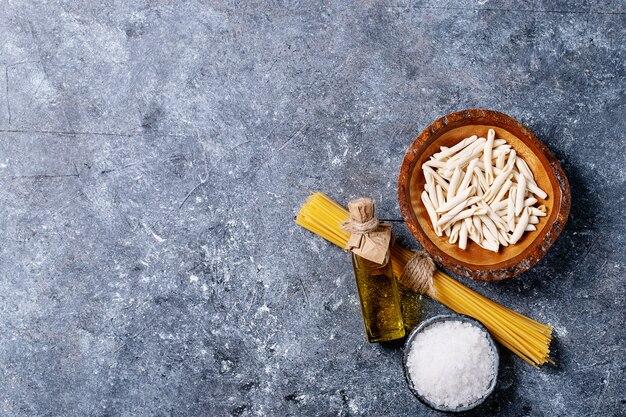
pixel 455 140
pixel 481 191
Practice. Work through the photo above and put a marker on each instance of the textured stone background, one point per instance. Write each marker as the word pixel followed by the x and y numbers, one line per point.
pixel 153 155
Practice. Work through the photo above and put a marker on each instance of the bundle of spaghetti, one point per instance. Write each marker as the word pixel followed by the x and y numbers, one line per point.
pixel 527 338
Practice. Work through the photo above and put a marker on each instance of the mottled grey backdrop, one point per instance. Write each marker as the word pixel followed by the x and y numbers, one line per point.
pixel 153 155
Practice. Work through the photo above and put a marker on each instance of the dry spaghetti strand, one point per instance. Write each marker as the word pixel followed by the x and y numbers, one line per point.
pixel 527 338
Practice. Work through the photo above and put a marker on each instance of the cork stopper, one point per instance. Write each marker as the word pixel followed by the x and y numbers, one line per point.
pixel 369 238
pixel 361 210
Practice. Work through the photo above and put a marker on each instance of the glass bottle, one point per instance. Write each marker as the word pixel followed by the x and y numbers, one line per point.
pixel 380 299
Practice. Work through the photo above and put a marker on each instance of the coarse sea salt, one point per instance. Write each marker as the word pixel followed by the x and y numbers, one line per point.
pixel 451 363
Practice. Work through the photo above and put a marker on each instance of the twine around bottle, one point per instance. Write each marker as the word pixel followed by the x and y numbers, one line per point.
pixel 360 228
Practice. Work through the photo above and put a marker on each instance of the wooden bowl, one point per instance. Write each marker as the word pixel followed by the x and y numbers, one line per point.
pixel 476 262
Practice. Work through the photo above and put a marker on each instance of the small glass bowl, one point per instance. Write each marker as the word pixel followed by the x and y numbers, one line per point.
pixel 449 317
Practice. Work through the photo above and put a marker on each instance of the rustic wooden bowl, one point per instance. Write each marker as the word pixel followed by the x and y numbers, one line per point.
pixel 476 262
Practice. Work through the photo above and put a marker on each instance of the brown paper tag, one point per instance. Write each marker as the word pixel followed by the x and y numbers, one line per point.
pixel 373 245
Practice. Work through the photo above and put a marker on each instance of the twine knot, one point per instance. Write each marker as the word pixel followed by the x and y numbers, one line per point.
pixel 359 227
pixel 418 273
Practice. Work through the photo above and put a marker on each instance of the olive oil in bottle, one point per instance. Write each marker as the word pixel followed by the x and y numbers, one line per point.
pixel 378 291
pixel 380 300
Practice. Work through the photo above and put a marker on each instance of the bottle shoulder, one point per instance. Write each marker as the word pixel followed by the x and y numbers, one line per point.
pixel 362 263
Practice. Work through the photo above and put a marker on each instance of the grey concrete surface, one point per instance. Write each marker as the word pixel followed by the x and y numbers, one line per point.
pixel 153 155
